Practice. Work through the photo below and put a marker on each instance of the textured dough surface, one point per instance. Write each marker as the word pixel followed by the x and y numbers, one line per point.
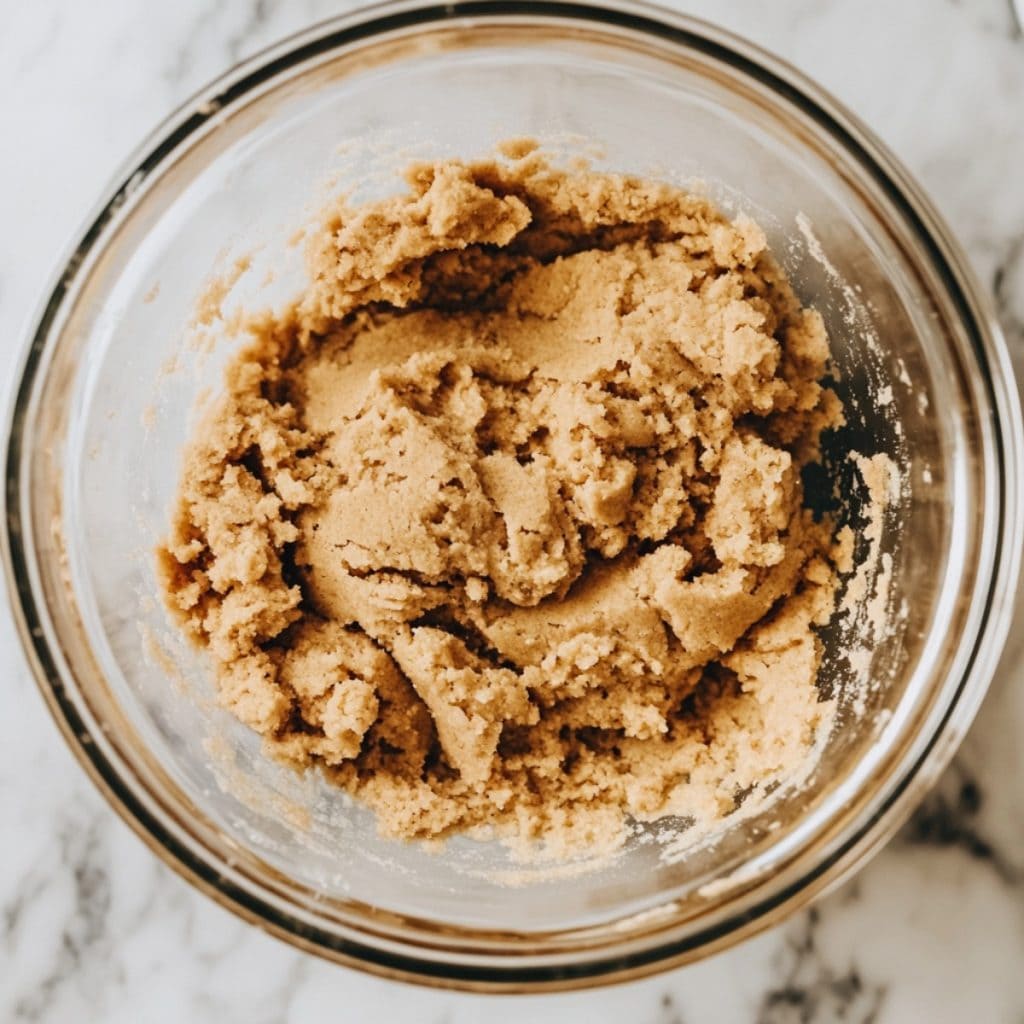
pixel 501 523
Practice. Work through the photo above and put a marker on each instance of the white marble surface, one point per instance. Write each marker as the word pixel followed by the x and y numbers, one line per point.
pixel 93 928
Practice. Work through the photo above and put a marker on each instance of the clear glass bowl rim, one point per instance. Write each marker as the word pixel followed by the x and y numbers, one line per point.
pixel 473 971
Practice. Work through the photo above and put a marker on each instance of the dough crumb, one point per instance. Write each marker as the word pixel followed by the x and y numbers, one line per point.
pixel 501 524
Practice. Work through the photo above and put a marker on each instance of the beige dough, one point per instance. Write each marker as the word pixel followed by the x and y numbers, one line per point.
pixel 501 523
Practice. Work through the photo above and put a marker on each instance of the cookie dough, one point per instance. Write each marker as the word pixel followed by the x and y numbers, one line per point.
pixel 501 525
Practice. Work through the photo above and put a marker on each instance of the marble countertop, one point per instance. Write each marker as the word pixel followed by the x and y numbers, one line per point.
pixel 93 927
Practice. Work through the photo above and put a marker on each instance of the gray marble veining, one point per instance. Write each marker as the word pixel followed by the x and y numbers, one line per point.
pixel 93 928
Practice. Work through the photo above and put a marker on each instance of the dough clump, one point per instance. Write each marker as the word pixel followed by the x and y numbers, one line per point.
pixel 501 523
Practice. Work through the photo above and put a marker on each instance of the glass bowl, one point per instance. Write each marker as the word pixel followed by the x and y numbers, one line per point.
pixel 117 364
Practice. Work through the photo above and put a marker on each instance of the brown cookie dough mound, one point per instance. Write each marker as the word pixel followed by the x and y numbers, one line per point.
pixel 501 523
